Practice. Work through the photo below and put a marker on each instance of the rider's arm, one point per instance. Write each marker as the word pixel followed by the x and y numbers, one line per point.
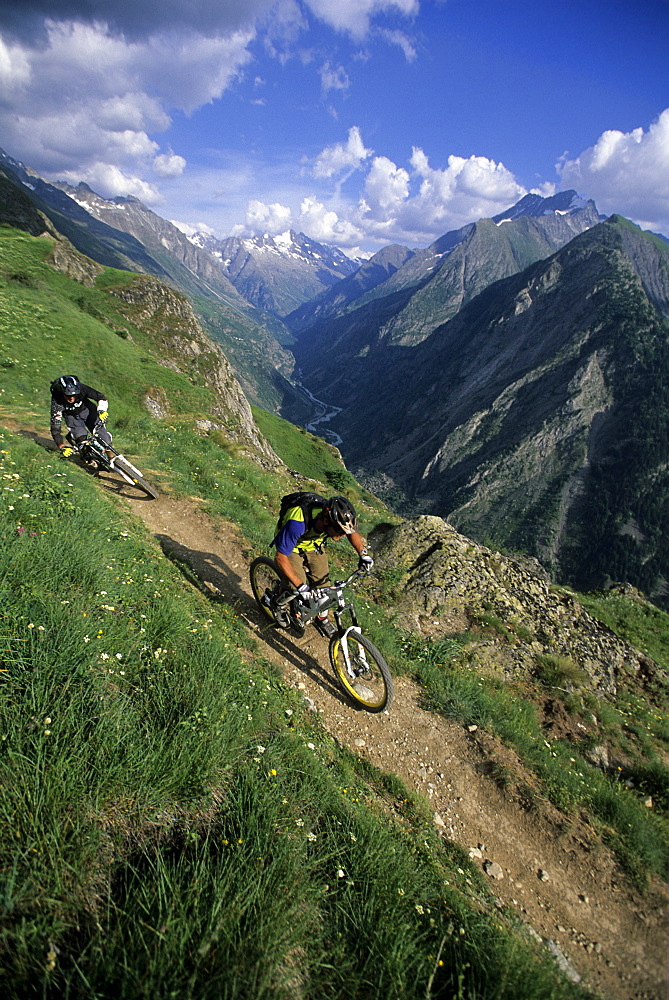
pixel 96 397
pixel 357 541
pixel 283 562
pixel 285 543
pixel 93 394
pixel 56 422
pixel 365 560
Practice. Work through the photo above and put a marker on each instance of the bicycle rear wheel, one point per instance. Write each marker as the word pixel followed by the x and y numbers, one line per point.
pixel 266 584
pixel 366 679
pixel 130 473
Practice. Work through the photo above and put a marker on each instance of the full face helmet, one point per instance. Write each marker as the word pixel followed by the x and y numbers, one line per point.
pixel 69 386
pixel 342 514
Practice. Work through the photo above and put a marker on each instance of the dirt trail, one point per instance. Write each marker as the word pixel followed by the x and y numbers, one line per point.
pixel 612 937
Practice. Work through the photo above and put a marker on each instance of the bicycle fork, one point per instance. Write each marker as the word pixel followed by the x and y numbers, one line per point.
pixel 360 657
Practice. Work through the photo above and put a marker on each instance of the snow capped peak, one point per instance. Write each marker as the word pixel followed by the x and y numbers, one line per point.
pixel 562 203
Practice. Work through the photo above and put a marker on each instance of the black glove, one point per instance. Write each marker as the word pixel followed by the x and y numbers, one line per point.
pixel 365 561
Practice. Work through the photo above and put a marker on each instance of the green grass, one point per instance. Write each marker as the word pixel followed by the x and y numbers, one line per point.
pixel 172 823
pixel 634 619
pixel 160 794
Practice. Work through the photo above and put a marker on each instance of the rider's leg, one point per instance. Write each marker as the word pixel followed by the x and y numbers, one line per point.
pixel 317 568
pixel 318 574
pixel 95 425
pixel 77 429
pixel 298 565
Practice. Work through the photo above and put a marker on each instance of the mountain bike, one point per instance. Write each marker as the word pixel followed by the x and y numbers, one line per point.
pixel 93 452
pixel 358 665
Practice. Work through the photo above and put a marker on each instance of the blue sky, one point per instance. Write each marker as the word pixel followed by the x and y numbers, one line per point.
pixel 358 122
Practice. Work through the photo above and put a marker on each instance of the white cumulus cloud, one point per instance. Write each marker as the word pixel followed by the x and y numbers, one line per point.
pixel 325 225
pixel 386 186
pixel 354 16
pixel 262 218
pixel 87 102
pixel 84 101
pixel 169 165
pixel 341 157
pixel 417 203
pixel 626 172
pixel 103 177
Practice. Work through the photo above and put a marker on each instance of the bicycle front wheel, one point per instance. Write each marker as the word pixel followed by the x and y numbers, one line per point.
pixel 131 474
pixel 366 677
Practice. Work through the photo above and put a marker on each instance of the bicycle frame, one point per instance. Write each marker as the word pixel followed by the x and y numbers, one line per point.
pixel 335 600
pixel 97 449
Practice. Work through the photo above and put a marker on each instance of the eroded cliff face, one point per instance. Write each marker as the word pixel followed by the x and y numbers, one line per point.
pixel 446 582
pixel 537 416
pixel 168 318
pixel 68 261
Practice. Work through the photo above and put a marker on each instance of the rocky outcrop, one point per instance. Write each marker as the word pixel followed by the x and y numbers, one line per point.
pixel 445 581
pixel 168 318
pixel 67 260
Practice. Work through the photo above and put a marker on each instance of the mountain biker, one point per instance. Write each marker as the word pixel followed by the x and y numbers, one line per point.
pixel 300 542
pixel 82 408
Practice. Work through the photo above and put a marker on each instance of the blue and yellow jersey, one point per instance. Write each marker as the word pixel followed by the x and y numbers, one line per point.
pixel 296 534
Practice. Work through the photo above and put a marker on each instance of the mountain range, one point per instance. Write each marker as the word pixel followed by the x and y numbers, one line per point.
pixel 403 295
pixel 277 273
pixel 511 377
pixel 124 233
pixel 536 416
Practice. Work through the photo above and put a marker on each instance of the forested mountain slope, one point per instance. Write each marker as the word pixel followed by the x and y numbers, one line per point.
pixel 537 416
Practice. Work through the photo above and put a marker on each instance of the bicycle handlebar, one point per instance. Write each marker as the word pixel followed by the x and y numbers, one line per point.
pixel 330 591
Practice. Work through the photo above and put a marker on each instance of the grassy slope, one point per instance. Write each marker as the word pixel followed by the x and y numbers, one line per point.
pixel 160 787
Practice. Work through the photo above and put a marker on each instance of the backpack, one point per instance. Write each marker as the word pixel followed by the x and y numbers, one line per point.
pixel 307 501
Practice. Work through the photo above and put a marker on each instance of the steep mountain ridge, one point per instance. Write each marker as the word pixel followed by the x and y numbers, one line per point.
pixel 433 284
pixel 124 233
pixel 536 415
pixel 170 320
pixel 108 246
